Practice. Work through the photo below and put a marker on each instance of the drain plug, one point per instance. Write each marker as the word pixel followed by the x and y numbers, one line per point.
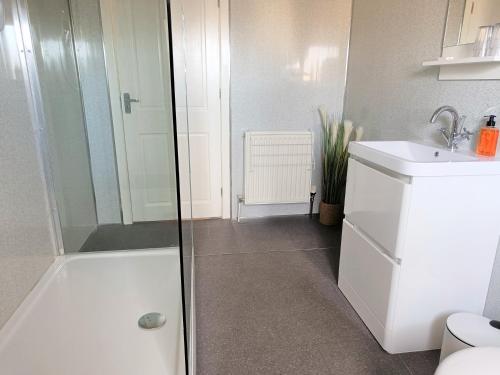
pixel 152 320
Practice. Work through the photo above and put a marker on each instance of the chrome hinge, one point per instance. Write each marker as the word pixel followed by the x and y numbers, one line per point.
pixel 221 192
pixel 218 3
pixel 220 93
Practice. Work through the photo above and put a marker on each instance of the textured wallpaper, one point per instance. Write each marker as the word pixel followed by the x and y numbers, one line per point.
pixel 26 244
pixel 287 58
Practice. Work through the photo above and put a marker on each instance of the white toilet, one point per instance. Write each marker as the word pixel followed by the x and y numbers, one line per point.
pixel 471 361
pixel 466 330
pixel 471 345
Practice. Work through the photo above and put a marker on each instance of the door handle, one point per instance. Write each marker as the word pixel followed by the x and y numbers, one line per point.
pixel 126 102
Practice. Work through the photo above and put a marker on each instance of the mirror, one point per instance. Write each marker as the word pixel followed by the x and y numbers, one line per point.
pixel 465 17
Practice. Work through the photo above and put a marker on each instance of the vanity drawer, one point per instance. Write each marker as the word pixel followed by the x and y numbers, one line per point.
pixel 369 279
pixel 378 204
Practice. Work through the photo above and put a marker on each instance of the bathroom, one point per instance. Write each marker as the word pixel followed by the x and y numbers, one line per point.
pixel 138 236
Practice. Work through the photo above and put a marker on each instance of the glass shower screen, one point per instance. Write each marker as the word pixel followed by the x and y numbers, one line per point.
pixel 113 106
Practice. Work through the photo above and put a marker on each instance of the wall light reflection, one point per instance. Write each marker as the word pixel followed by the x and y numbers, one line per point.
pixel 312 68
pixel 9 55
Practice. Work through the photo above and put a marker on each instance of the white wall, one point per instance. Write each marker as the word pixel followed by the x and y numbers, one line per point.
pixel 393 96
pixel 287 58
pixel 26 243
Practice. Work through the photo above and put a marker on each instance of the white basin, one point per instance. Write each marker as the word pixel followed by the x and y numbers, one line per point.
pixel 414 159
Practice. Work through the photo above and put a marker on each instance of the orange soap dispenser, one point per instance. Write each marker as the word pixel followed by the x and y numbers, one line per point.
pixel 488 138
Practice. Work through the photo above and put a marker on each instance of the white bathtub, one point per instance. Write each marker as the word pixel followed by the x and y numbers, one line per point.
pixel 81 318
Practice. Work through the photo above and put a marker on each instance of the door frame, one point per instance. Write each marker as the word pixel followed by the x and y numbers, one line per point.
pixel 225 105
pixel 117 115
pixel 116 110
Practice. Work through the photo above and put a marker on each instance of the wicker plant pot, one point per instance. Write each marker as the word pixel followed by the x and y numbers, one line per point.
pixel 330 214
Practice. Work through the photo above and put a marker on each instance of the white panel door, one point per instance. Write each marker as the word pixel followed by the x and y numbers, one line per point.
pixel 202 112
pixel 141 49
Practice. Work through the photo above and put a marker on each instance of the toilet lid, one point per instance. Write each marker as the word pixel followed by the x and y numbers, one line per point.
pixel 473 329
pixel 471 361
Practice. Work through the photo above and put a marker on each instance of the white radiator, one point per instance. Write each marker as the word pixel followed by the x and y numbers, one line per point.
pixel 278 167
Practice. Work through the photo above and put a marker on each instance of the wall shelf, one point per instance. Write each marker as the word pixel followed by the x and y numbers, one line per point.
pixel 456 64
pixel 462 61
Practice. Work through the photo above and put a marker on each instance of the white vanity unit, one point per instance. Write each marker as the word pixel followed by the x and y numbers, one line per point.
pixel 419 239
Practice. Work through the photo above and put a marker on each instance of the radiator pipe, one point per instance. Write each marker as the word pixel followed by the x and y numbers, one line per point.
pixel 312 195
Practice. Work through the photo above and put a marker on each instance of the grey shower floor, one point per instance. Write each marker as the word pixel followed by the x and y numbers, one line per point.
pixel 146 235
pixel 268 303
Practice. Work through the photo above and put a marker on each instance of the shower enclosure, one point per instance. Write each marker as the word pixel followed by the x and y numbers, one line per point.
pixel 100 78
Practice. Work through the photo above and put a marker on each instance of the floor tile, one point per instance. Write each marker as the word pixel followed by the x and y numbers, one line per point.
pixel 252 312
pixel 145 235
pixel 268 303
pixel 267 360
pixel 215 239
pixel 262 235
pixel 421 363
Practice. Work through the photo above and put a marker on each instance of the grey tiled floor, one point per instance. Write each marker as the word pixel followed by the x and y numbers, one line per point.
pixel 268 303
pixel 146 235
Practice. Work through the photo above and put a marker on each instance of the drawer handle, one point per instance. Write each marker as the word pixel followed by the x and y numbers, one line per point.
pixel 373 243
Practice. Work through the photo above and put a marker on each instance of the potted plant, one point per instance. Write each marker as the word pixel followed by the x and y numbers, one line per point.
pixel 334 157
